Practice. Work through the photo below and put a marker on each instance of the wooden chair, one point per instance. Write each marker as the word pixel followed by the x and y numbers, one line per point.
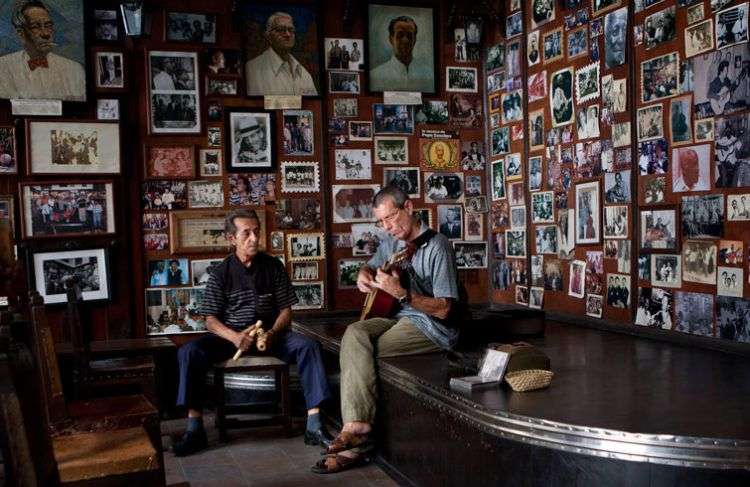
pixel 106 441
pixel 279 368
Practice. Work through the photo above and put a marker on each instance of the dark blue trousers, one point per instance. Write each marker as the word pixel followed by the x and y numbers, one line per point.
pixel 197 357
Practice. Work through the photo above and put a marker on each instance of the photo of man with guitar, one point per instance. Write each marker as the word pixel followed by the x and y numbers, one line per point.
pixel 413 306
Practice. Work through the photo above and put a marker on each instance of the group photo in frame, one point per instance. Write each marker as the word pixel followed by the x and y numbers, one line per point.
pixel 352 203
pixel 174 311
pixel 391 150
pixel 169 162
pixel 300 177
pixel 88 267
pixel 67 147
pixel 274 32
pixel 250 144
pixel 401 39
pixel 305 246
pixel 70 208
pixel 310 295
pixel 190 27
pixel 174 100
pixel 202 231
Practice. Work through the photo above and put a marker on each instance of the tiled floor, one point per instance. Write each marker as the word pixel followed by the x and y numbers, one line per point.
pixel 257 458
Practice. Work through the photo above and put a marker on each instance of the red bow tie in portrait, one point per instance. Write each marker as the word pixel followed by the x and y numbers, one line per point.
pixel 40 62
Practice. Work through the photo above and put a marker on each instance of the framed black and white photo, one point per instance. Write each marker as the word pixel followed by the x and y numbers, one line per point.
pixel 221 86
pixel 600 6
pixel 578 42
pixel 699 261
pixel 561 97
pixel 277 240
pixel 348 271
pixel 703 216
pixel 542 11
pixel 345 107
pixel 360 130
pixel 299 139
pixel 393 119
pixel 353 164
pixel 300 177
pixel 67 147
pixel 617 187
pixel 476 204
pixel 699 38
pixel 512 106
pixel 389 61
pixel 298 214
pixel 616 221
pixel 588 213
pixel 106 25
pixel 174 101
pixel 515 243
pixel 729 281
pixel 732 151
pixel 205 194
pixel 305 246
pixel 404 178
pixel 474 226
pixel 201 269
pixel 660 77
pixel 513 25
pixel 110 70
pixel 552 45
pixel 443 187
pixel 304 271
pixel 694 312
pixel 210 162
pixel 310 295
pixel 618 290
pixel 344 54
pixel 659 27
pixel 461 80
pixel 366 238
pixel 89 268
pixel 666 270
pixel 615 37
pixel 106 109
pixel 450 221
pixel 470 255
pixel 344 82
pixel 731 26
pixel 654 308
pixel 587 83
pixel 546 239
pixel 353 202
pixel 542 204
pixel 650 122
pixel 251 142
pixel 738 207
pixel 391 150
pixel 195 28
pixel 533 53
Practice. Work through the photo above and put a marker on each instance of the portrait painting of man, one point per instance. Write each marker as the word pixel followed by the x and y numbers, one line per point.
pixel 42 54
pixel 401 48
pixel 281 48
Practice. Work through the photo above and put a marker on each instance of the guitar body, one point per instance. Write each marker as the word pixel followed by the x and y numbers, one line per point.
pixel 379 304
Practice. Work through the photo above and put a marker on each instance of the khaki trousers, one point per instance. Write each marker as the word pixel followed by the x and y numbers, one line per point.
pixel 363 342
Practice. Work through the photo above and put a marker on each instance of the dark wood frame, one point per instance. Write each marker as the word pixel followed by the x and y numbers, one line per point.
pixel 192 12
pixel 228 136
pixel 147 160
pixel 109 89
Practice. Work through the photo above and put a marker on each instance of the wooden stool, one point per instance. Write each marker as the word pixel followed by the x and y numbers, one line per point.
pixel 252 364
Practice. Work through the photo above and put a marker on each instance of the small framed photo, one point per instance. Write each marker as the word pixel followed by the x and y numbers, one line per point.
pixel 616 221
pixel 222 61
pixel 522 294
pixel 474 228
pixel 470 255
pixel 214 136
pixel 352 203
pixel 680 122
pixel 300 177
pixel 7 214
pixel 110 70
pixel 476 204
pixel 666 270
pixel 598 7
pixel 513 25
pixel 391 150
pixel 731 29
pixel 699 38
pixel 588 213
pixel 366 238
pixel 277 241
pixel 305 246
pixel 658 230
pixel 405 178
pixel 299 139
pixel 155 221
pixel 8 155
pixel 343 82
pixel 393 119
pixel 424 215
pixel 106 25
pixel 650 122
pixel 443 187
pixel 310 295
pixel 67 209
pixel 353 164
pixel 542 207
pixel 730 252
pixel 298 214
pixel 305 271
pixel 450 221
pixel 66 147
pixel 512 106
pixel 106 109
pixel 202 231
pixel 618 290
pixel 221 86
pixel 164 195
pixel 517 217
pixel 515 243
pixel 348 271
pixel 594 305
pixel 546 237
pixel 210 163
pixel 174 311
pixel 699 261
pixel 89 267
pixel 360 130
pixel 345 107
pixel 169 162
pixel 729 281
pixel 168 272
pixel 461 80
pixel 439 154
pixel 345 54
pixel 205 194
pixel 201 269
pixel 536 297
pixel 174 101
pixel 194 28
pixel 704 130
pixel 552 45
pixel 578 42
pixel 251 145
pixel 256 189
pixel 577 279
pixel 660 77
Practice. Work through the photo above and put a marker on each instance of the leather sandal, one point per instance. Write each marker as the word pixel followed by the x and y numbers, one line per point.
pixel 338 463
pixel 346 441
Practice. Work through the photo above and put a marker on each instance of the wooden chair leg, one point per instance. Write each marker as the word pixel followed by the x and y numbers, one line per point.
pixel 286 410
pixel 221 424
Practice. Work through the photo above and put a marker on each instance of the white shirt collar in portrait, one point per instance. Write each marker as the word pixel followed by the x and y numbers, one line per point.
pixel 268 74
pixel 63 79
pixel 395 75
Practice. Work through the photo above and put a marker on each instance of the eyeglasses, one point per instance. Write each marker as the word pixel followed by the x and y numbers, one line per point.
pixel 388 219
pixel 281 30
pixel 37 26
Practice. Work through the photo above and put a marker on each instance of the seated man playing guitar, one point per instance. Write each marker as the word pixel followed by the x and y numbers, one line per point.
pixel 425 285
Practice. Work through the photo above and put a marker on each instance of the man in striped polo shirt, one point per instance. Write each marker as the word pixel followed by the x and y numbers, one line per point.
pixel 247 286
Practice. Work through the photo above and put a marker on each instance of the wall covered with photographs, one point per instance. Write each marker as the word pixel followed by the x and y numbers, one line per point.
pixel 634 163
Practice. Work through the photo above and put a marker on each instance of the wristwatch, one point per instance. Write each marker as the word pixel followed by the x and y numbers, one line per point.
pixel 405 299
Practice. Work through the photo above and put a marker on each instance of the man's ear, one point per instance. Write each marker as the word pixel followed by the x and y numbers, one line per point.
pixel 409 206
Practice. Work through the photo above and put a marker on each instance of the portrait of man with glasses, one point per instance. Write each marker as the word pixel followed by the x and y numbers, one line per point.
pixel 35 71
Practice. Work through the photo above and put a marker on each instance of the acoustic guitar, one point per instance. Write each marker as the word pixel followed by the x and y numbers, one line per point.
pixel 378 303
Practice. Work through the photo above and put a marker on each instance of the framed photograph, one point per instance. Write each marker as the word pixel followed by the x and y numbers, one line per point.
pixel 654 308
pixel 201 270
pixel 190 27
pixel 106 109
pixel 465 110
pixel 578 42
pixel 66 147
pixel 174 311
pixel 70 209
pixel 513 25
pixel 405 178
pixel 461 80
pixel 537 86
pixel 59 37
pixel 366 238
pixel 210 163
pixel 694 312
pixel 498 180
pixel 439 154
pixel 306 271
pixel 222 61
pixel 600 6
pixel 473 185
pixel 666 270
pixel 476 204
pixel 500 141
pixel 277 241
pixel 495 57
pixel 344 54
pixel 732 149
pixel 617 187
pixel 205 194
pixel 691 169
pixel 587 83
pixel 106 25
pixel 393 119
pixel 214 136
pixel 699 259
pixel 391 150
pixel 89 267
pixel 618 290
pixel 156 242
pixel 388 65
pixel 561 97
pixel 169 162
pixel 298 214
pixel 443 187
pixel 305 246
pixel 730 252
pixel 512 106
pixel 522 294
pixel 221 86
pixel 731 28
pixel 699 38
pixel 703 216
pixel 737 207
pixel 251 147
pixel 552 45
pixel 164 195
pixel 360 130
pixel 515 243
pixel 659 27
pixel 344 82
pixel 202 231
pixel 8 155
pixel 353 164
pixel 345 107
pixel 450 221
pixel 110 70
pixel 680 123
pixel 542 204
pixel 470 255
pixel 348 271
pixel 588 213
pixel 616 221
pixel 650 122
pixel 588 122
pixel 352 203
pixel 704 130
pixel 576 279
pixel 729 281
pixel 300 177
pixel 7 215
pixel 474 228
pixel 174 101
pixel 168 272
pixel 546 237
pixel 660 77
pixel 472 155
pixel 695 13
pixel 251 189
pixel 310 295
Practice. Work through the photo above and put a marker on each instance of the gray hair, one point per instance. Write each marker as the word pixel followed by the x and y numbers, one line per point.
pixel 272 20
pixel 230 228
pixel 18 18
pixel 396 194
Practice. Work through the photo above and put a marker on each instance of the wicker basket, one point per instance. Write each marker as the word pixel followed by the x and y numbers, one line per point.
pixel 529 380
